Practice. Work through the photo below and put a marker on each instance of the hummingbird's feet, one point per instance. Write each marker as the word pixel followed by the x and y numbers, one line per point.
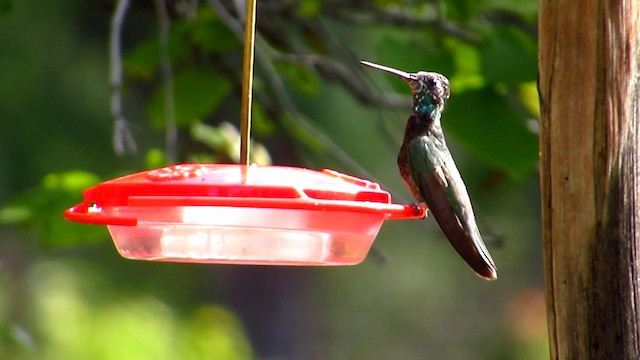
pixel 420 208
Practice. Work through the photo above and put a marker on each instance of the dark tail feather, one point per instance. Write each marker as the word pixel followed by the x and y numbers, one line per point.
pixel 465 237
pixel 469 246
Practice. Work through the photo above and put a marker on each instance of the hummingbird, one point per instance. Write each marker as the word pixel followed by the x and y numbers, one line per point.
pixel 429 172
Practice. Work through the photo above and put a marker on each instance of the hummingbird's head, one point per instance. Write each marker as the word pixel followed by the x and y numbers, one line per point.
pixel 430 90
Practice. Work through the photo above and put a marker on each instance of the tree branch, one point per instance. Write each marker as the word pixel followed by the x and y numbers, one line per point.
pixel 263 52
pixel 122 140
pixel 164 22
pixel 374 15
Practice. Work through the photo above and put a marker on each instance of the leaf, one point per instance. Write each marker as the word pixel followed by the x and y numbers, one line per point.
pixel 261 124
pixel 468 74
pixel 209 135
pixel 302 134
pixel 488 127
pixel 155 158
pixel 5 7
pixel 462 10
pixel 40 209
pixel 197 93
pixel 413 57
pixel 528 9
pixel 213 332
pixel 529 96
pixel 415 54
pixel 303 79
pixel 209 34
pixel 308 8
pixel 225 140
pixel 143 61
pixel 509 56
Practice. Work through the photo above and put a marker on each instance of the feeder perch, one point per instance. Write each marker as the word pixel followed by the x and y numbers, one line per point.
pixel 215 213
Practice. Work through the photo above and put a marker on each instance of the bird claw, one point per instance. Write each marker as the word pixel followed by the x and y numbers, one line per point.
pixel 420 208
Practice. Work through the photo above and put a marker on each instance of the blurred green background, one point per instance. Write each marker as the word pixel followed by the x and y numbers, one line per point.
pixel 66 294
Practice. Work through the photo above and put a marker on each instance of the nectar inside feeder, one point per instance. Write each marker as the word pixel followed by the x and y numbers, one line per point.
pixel 214 213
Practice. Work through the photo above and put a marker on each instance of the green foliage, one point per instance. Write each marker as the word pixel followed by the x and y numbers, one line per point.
pixel 308 8
pixel 197 93
pixel 462 10
pixel 509 56
pixel 5 7
pixel 261 124
pixel 208 34
pixel 528 93
pixel 498 55
pixel 224 141
pixel 472 11
pixel 528 9
pixel 41 208
pixel 213 331
pixel 205 33
pixel 155 158
pixel 300 77
pixel 144 60
pixel 485 123
pixel 125 326
pixel 467 73
pixel 303 136
pixel 415 54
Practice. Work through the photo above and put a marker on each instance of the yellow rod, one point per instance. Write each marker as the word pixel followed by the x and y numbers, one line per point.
pixel 247 81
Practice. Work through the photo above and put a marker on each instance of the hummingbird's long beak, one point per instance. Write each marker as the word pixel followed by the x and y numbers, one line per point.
pixel 402 74
pixel 411 79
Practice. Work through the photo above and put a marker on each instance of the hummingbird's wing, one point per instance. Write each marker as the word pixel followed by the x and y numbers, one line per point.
pixel 443 189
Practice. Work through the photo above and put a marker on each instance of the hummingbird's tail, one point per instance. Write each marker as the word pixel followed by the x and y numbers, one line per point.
pixel 457 221
pixel 468 243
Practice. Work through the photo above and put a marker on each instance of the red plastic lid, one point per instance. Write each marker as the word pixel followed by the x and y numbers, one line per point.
pixel 238 186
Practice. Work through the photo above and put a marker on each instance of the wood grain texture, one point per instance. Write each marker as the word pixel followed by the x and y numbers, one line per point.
pixel 589 88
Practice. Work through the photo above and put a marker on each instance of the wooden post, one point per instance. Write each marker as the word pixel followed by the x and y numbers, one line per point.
pixel 589 84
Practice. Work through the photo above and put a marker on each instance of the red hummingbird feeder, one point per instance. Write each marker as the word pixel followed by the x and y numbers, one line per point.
pixel 241 214
pixel 237 214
